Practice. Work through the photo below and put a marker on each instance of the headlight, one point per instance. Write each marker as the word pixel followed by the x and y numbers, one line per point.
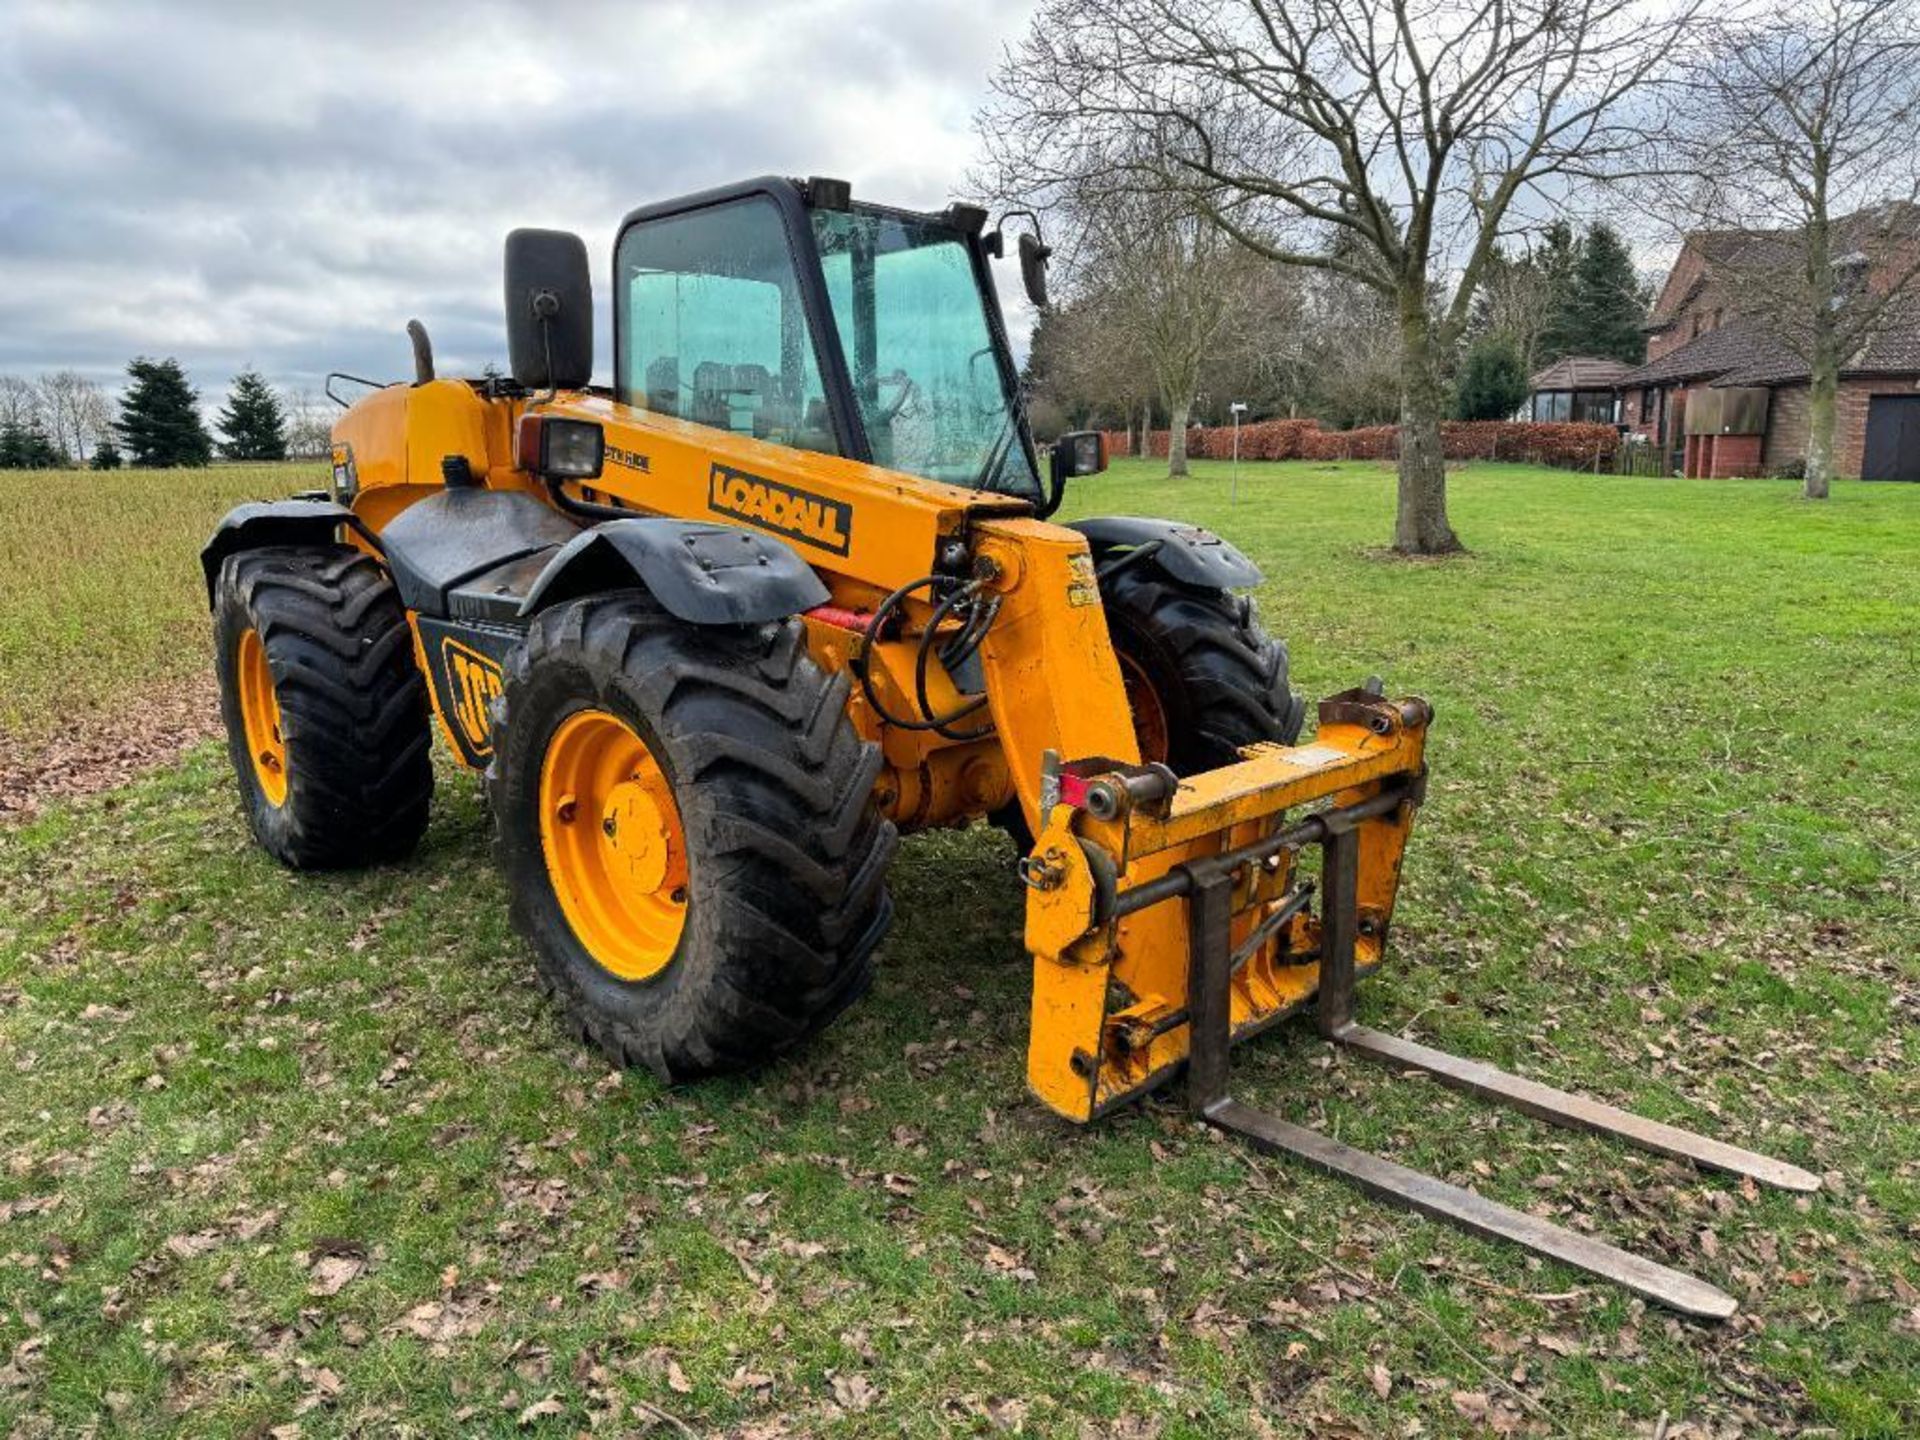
pixel 561 449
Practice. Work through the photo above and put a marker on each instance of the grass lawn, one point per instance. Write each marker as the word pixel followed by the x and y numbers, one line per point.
pixel 310 1152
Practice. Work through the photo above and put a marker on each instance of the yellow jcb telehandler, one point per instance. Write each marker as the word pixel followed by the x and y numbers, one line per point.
pixel 717 634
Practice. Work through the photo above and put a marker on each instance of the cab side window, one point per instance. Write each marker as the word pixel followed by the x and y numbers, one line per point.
pixel 713 329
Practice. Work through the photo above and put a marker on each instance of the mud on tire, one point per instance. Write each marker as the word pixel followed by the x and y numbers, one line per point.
pixel 352 705
pixel 786 851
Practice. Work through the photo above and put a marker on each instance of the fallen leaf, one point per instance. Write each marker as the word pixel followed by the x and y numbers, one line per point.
pixel 854 1392
pixel 1472 1404
pixel 549 1406
pixel 331 1273
pixel 1382 1381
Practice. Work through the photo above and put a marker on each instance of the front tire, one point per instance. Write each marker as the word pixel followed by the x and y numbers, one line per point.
pixel 326 712
pixel 1202 676
pixel 686 822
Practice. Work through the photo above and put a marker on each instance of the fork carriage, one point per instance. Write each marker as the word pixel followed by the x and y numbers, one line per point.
pixel 1220 857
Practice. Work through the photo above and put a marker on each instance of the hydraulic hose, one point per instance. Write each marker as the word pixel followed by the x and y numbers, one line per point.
pixel 959 594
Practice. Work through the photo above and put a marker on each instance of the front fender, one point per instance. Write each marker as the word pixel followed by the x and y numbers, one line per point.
pixel 1185 553
pixel 702 573
pixel 273 522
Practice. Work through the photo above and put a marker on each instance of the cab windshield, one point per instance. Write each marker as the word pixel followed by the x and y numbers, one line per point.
pixel 926 371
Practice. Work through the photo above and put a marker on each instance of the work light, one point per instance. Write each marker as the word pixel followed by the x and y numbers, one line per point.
pixel 561 449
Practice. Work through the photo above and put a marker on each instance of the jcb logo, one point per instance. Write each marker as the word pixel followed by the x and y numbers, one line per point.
pixel 782 509
pixel 472 682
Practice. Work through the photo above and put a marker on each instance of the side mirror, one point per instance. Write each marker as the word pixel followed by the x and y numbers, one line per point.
pixel 1033 267
pixel 1082 452
pixel 549 310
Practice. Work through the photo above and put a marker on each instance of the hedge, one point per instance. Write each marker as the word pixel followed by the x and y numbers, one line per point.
pixel 1567 444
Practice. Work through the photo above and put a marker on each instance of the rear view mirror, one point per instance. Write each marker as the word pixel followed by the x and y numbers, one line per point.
pixel 1033 267
pixel 549 310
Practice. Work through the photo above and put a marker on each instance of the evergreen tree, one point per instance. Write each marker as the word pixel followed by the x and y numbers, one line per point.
pixel 1493 382
pixel 160 417
pixel 253 423
pixel 1559 258
pixel 106 456
pixel 1607 298
pixel 1601 308
pixel 24 447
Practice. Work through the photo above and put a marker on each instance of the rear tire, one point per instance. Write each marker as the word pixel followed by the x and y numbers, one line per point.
pixel 326 712
pixel 1219 680
pixel 783 872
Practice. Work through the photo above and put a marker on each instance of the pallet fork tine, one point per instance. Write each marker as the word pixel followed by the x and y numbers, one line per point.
pixel 1208 886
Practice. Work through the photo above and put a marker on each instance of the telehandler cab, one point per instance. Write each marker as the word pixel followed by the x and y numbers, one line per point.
pixel 717 634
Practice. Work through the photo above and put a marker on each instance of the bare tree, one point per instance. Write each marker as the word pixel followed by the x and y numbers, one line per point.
pixel 309 425
pixel 1519 295
pixel 1420 129
pixel 1082 368
pixel 20 405
pixel 1797 128
pixel 1261 353
pixel 1353 351
pixel 1158 276
pixel 76 413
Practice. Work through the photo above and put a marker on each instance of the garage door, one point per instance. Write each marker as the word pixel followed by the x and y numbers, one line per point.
pixel 1893 438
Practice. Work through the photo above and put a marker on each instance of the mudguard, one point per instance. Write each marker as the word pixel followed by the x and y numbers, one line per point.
pixel 702 573
pixel 273 522
pixel 1185 553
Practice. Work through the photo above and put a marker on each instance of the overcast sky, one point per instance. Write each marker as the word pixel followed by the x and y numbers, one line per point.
pixel 282 186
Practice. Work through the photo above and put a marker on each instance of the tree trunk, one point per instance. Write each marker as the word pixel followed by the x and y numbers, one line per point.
pixel 1421 526
pixel 1823 386
pixel 1177 438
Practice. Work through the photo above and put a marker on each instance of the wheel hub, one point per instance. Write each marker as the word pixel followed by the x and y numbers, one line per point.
pixel 635 836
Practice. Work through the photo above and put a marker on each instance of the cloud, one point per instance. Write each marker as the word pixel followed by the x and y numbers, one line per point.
pixel 280 186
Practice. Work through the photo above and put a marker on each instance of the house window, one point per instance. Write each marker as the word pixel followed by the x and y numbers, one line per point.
pixel 1552 404
pixel 1646 406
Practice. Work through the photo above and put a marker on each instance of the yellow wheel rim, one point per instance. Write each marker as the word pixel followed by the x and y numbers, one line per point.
pixel 260 718
pixel 1150 729
pixel 614 846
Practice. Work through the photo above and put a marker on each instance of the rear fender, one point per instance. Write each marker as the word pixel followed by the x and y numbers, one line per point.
pixel 702 573
pixel 277 522
pixel 1185 553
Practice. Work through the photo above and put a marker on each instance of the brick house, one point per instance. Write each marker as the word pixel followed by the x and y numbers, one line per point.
pixel 1747 391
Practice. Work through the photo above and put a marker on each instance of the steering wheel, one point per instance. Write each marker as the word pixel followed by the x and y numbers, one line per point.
pixel 987 411
pixel 909 387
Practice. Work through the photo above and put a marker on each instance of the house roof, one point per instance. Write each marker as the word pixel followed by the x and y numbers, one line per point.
pixel 1744 352
pixel 1761 251
pixel 1579 372
pixel 1751 350
pixel 1737 345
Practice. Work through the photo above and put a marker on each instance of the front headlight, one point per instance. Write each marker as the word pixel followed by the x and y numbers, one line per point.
pixel 562 449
